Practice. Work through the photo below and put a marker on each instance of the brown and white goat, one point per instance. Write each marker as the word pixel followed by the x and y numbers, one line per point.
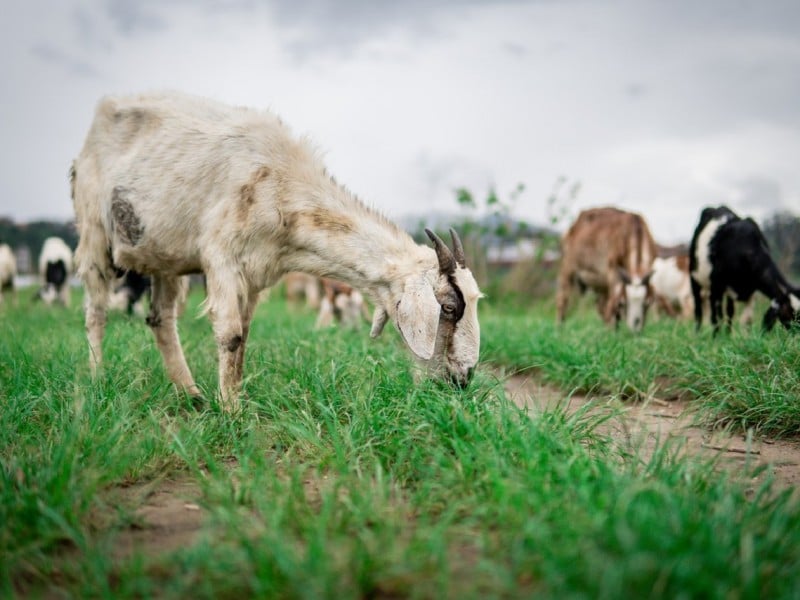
pixel 302 286
pixel 611 252
pixel 170 184
pixel 342 304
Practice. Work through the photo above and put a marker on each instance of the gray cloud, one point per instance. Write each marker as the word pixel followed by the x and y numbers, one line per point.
pixel 761 194
pixel 69 63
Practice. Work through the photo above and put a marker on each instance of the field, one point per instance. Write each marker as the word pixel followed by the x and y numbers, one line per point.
pixel 342 478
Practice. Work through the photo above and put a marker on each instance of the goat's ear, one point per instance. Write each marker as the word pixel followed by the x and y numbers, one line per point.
pixel 623 275
pixel 418 318
pixel 379 318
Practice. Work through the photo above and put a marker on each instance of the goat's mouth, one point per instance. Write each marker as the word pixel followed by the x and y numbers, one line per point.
pixel 462 380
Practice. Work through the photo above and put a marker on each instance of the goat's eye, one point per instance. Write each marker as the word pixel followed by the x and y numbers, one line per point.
pixel 448 309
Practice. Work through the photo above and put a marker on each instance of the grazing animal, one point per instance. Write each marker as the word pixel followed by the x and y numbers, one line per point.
pixel 55 267
pixel 730 260
pixel 8 270
pixel 341 304
pixel 672 286
pixel 170 184
pixel 611 252
pixel 129 292
pixel 302 285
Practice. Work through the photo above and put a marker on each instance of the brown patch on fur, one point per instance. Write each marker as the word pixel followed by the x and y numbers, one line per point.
pixel 330 221
pixel 248 190
pixel 127 222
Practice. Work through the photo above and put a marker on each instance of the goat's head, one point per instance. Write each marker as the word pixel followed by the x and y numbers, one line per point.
pixel 634 298
pixel 785 309
pixel 437 314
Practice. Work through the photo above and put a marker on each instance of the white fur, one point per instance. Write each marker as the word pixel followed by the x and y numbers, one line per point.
pixel 702 273
pixel 175 184
pixel 672 284
pixel 8 268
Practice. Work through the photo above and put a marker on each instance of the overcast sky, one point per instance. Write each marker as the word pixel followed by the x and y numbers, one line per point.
pixel 661 107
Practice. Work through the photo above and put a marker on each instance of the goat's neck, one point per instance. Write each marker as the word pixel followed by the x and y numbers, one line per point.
pixel 339 237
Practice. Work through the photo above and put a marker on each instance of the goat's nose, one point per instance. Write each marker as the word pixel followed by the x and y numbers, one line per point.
pixel 462 381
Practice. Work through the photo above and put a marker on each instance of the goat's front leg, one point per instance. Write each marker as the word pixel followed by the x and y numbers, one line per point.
pixel 163 321
pixel 562 295
pixel 697 295
pixel 226 304
pixel 247 314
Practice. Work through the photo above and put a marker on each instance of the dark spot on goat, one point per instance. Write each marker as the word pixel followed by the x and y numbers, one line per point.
pixel 153 320
pixel 56 273
pixel 125 218
pixel 234 343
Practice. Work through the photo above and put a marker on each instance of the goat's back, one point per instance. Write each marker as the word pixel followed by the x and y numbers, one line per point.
pixel 602 239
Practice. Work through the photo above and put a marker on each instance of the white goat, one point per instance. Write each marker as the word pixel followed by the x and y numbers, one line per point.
pixel 170 184
pixel 8 270
pixel 55 267
pixel 672 286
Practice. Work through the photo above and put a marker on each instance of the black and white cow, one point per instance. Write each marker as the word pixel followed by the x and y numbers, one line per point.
pixel 729 259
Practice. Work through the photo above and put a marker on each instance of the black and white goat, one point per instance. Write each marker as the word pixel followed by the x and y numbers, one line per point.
pixel 170 184
pixel 129 292
pixel 55 268
pixel 730 260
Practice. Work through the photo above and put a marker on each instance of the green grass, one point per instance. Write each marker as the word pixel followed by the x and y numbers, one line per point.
pixel 749 378
pixel 341 478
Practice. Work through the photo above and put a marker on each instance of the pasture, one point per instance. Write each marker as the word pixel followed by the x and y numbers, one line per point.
pixel 342 478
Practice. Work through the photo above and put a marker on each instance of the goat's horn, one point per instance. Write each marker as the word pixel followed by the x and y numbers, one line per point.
pixel 458 249
pixel 447 263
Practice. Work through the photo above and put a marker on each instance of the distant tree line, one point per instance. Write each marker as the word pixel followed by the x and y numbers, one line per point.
pixel 782 231
pixel 496 226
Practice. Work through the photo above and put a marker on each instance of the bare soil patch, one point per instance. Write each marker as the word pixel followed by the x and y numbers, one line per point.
pixel 169 517
pixel 640 426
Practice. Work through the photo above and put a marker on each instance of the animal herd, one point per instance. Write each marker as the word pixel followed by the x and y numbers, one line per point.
pixel 613 253
pixel 169 185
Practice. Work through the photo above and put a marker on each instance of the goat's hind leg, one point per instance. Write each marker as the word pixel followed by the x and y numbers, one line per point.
pixel 163 321
pixel 247 315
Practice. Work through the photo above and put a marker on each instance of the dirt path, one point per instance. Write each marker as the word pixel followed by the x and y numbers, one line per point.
pixel 641 425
